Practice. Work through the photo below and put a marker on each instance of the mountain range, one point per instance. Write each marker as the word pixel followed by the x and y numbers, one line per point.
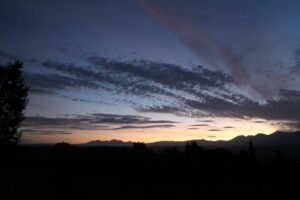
pixel 278 138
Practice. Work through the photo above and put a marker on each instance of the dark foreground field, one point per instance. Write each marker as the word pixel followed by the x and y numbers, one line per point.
pixel 68 172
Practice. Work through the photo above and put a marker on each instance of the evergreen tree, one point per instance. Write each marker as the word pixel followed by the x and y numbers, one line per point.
pixel 13 100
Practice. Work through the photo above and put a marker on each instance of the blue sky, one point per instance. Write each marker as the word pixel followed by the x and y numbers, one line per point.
pixel 174 65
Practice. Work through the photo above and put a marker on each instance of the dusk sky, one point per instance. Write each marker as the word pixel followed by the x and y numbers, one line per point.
pixel 141 70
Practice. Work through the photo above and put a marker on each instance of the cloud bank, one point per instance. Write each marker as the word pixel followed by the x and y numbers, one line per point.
pixel 37 125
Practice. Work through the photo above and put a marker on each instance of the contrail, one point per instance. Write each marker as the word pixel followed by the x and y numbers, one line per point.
pixel 205 46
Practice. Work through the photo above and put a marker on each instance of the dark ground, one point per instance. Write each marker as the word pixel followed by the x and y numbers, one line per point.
pixel 68 172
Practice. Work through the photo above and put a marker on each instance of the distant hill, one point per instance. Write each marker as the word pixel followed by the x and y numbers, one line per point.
pixel 278 138
pixel 111 143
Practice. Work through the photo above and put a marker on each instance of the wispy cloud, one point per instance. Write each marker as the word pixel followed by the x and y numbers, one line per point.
pixel 200 125
pixel 285 108
pixel 206 121
pixel 52 83
pixel 196 92
pixel 228 127
pixel 260 121
pixel 142 127
pixel 211 136
pixel 214 130
pixel 200 40
pixel 186 91
pixel 96 121
pixel 45 132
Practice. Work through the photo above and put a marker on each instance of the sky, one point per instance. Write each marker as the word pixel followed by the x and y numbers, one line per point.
pixel 140 70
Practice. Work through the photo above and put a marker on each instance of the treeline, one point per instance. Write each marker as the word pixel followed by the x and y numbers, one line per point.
pixel 65 171
pixel 64 153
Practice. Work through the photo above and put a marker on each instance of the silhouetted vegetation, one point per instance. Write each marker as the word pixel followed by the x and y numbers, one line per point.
pixel 13 100
pixel 252 152
pixel 77 172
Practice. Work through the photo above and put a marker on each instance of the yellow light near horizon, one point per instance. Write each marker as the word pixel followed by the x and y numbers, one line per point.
pixel 178 133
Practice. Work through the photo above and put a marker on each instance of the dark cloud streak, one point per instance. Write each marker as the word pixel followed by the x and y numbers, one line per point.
pixel 194 92
pixel 96 121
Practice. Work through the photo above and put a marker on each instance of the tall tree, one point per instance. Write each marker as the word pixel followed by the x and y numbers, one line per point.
pixel 13 100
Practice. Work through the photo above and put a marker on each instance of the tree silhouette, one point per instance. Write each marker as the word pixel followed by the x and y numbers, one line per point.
pixel 252 152
pixel 13 100
pixel 139 148
pixel 192 148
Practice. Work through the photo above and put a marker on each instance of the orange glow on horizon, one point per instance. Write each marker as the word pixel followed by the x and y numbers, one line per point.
pixel 213 131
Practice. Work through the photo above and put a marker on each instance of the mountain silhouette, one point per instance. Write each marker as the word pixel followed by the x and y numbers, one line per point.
pixel 111 143
pixel 278 138
pixel 287 143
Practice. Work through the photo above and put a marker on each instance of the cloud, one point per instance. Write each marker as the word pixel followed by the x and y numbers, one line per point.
pixel 228 127
pixel 296 68
pixel 294 125
pixel 108 79
pixel 285 108
pixel 124 119
pixel 214 130
pixel 142 127
pixel 201 41
pixel 195 92
pixel 290 94
pixel 44 132
pixel 7 55
pixel 193 128
pixel 287 125
pixel 200 125
pixel 52 83
pixel 130 78
pixel 260 121
pixel 82 100
pixel 178 78
pixel 95 121
pixel 70 77
pixel 186 91
pixel 231 36
pixel 206 121
pixel 41 91
pixel 211 136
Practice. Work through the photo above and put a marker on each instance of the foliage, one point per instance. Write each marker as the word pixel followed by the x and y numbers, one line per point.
pixel 13 100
